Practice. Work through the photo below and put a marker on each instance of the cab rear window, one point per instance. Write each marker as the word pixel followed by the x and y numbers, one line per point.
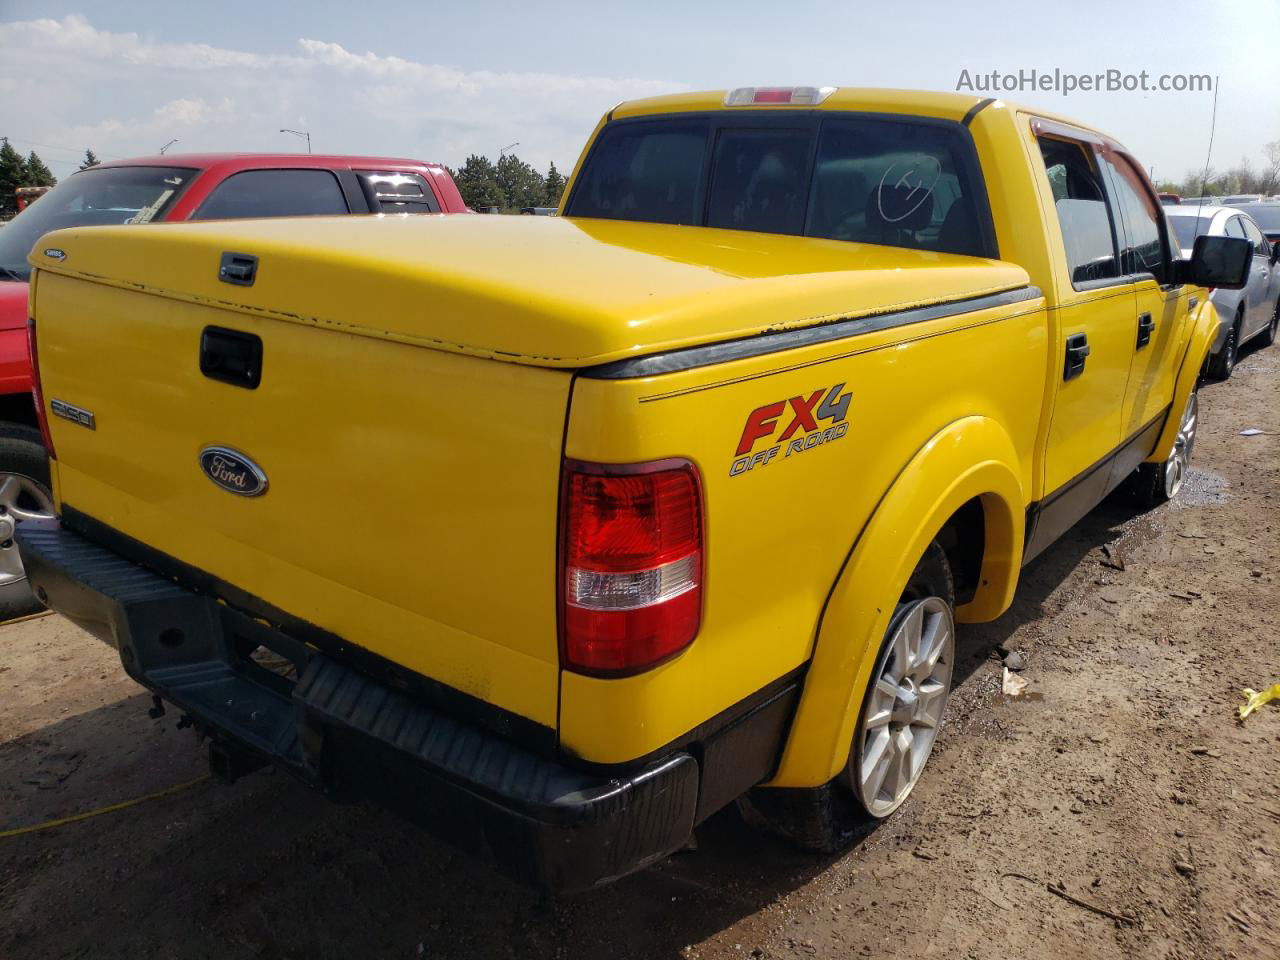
pixel 650 171
pixel 898 181
pixel 760 180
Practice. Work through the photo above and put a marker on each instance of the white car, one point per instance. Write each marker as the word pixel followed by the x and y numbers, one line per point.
pixel 1253 311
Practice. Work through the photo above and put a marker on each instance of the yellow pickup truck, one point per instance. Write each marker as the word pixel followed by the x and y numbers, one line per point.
pixel 560 534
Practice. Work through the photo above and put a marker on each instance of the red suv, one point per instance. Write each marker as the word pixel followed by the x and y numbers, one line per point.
pixel 213 186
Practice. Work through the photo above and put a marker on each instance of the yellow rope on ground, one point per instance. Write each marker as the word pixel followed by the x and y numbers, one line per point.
pixel 50 824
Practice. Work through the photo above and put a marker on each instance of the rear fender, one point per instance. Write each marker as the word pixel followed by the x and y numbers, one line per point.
pixel 971 457
pixel 1204 331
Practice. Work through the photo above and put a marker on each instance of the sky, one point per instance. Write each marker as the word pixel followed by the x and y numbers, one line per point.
pixel 442 81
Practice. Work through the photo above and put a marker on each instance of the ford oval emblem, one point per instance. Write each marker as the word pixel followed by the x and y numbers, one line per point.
pixel 233 472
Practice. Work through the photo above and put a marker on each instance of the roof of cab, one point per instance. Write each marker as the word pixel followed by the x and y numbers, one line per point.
pixel 950 105
pixel 925 103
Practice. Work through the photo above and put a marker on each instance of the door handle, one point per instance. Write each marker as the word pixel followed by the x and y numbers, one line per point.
pixel 1146 327
pixel 1077 350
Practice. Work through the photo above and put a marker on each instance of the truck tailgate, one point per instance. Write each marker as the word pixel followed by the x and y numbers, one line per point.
pixel 412 493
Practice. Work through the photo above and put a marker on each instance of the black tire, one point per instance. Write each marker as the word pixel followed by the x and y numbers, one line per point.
pixel 1268 336
pixel 931 578
pixel 828 818
pixel 1146 487
pixel 1224 361
pixel 21 453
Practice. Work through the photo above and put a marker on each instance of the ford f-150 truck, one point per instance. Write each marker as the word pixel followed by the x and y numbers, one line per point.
pixel 163 189
pixel 559 534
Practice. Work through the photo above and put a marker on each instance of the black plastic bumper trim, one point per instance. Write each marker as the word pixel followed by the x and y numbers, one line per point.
pixel 555 826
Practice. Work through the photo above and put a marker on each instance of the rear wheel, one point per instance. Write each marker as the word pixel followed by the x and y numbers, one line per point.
pixel 897 722
pixel 24 495
pixel 1155 483
pixel 1224 361
pixel 902 709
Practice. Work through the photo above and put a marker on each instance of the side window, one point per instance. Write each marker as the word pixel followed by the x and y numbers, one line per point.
pixel 1235 228
pixel 1143 248
pixel 906 184
pixel 391 192
pixel 1256 237
pixel 760 180
pixel 274 193
pixel 1088 231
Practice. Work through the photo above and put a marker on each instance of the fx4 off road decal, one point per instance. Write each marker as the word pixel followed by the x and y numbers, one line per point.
pixel 815 419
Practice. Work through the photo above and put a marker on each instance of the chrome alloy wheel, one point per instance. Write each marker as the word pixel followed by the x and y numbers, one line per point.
pixel 1175 468
pixel 21 499
pixel 903 708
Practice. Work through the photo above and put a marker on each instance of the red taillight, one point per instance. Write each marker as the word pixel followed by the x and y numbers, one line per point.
pixel 631 564
pixel 36 393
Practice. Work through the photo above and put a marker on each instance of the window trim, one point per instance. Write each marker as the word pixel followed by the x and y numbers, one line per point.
pixel 198 212
pixel 798 119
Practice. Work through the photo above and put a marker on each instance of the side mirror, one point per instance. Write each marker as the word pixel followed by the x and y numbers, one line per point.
pixel 1221 262
pixel 1275 252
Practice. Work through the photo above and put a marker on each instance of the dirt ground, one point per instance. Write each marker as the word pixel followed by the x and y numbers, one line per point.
pixel 1121 777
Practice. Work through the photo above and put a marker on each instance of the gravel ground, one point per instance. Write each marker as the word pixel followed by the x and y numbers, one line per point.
pixel 1121 778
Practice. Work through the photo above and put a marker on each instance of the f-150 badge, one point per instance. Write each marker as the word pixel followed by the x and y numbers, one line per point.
pixel 803 431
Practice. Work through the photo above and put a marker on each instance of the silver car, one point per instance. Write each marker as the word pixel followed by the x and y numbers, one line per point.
pixel 1253 311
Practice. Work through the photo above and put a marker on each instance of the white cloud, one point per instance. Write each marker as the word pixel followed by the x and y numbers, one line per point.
pixel 122 94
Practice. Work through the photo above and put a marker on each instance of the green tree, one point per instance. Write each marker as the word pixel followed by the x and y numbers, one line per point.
pixel 477 181
pixel 12 175
pixel 553 186
pixel 37 174
pixel 521 185
pixel 90 160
